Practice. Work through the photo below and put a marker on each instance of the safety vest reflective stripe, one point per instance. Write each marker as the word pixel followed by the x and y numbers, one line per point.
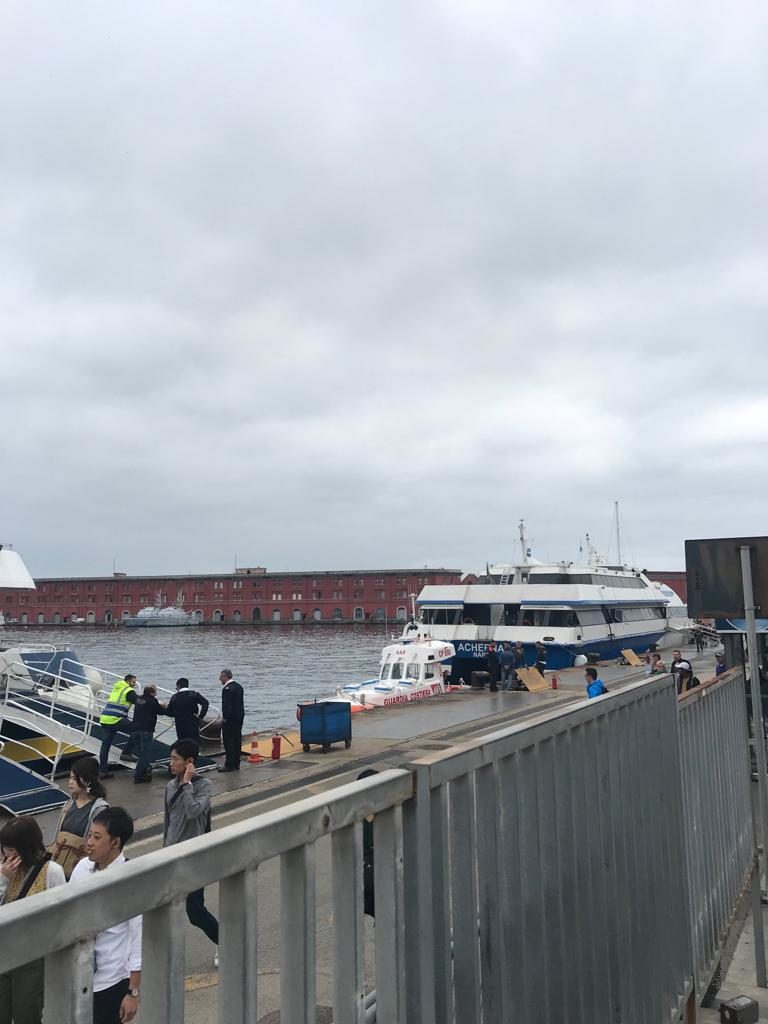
pixel 115 709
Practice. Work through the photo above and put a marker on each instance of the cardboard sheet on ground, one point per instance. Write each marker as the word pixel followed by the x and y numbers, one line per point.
pixel 631 658
pixel 290 745
pixel 532 680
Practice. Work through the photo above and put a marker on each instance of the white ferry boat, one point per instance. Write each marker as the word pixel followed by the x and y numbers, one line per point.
pixel 574 610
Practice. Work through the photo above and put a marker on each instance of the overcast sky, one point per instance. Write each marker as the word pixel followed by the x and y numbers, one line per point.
pixel 361 284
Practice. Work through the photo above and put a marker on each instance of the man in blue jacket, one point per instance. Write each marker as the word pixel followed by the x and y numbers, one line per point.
pixel 595 687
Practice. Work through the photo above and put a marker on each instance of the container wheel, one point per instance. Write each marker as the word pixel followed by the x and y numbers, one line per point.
pixel 326 747
pixel 305 748
pixel 347 744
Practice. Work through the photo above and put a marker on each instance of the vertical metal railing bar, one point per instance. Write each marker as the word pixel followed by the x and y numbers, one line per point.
pixel 672 962
pixel 582 815
pixel 667 814
pixel 510 903
pixel 676 936
pixel 597 789
pixel 347 896
pixel 417 881
pixel 618 723
pixel 68 996
pixel 238 967
pixel 551 880
pixel 616 900
pixel 298 976
pixel 567 934
pixel 634 770
pixel 532 924
pixel 441 908
pixel 390 938
pixel 712 849
pixel 493 962
pixel 715 716
pixel 162 960
pixel 464 903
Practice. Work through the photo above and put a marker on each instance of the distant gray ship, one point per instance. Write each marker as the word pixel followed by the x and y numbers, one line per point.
pixel 161 615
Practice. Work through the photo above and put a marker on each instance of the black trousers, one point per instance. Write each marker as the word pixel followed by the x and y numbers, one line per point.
pixel 232 735
pixel 106 1004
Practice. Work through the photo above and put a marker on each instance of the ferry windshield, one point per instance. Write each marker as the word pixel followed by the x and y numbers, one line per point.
pixel 397 670
pixel 412 671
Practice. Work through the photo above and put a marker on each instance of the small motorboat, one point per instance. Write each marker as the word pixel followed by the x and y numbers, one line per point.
pixel 411 670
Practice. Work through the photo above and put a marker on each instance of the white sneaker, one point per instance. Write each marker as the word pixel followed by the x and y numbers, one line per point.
pixel 216 960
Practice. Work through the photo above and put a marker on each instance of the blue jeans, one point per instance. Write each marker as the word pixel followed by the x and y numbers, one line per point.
pixel 200 916
pixel 142 744
pixel 109 731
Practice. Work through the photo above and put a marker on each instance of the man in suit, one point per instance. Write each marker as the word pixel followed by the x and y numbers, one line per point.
pixel 232 713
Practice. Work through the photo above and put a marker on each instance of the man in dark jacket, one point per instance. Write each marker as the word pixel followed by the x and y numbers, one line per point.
pixel 232 714
pixel 492 663
pixel 188 708
pixel 146 708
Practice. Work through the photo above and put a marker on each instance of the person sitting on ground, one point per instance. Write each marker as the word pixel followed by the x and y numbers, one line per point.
pixel 117 950
pixel 25 870
pixel 88 798
pixel 658 667
pixel 595 686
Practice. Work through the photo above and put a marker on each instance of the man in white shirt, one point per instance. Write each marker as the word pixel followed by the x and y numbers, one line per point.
pixel 117 953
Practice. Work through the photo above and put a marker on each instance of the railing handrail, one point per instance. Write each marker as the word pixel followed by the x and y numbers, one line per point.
pixel 66 914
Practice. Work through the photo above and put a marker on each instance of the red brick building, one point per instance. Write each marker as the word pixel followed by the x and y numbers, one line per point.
pixel 245 596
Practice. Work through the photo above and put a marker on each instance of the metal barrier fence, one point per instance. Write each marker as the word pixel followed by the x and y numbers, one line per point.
pixel 720 840
pixel 536 873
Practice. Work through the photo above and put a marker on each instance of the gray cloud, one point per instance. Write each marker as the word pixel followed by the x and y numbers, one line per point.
pixel 363 286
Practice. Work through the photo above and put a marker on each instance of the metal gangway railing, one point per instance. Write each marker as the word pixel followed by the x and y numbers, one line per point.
pixel 545 871
pixel 62 705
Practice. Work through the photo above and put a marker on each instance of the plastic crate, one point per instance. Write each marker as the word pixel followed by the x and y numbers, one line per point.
pixel 325 722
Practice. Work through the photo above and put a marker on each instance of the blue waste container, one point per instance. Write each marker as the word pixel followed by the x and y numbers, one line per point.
pixel 325 722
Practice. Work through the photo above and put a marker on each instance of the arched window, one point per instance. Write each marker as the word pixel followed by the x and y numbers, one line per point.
pixel 40 618
pixel 90 618
pixel 236 615
pixel 401 616
pixel 218 615
pixel 57 618
pixel 126 614
pixel 256 617
pixel 337 616
pixel 23 618
pixel 108 618
pixel 380 615
pixel 317 615
pixel 297 614
pixel 198 615
pixel 359 615
pixel 275 614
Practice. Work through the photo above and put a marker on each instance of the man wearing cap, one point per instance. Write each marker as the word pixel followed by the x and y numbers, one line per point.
pixel 684 675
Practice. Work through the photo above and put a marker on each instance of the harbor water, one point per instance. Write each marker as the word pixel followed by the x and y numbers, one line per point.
pixel 278 666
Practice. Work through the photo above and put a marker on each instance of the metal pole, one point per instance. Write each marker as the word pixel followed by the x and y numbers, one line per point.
pixel 754 685
pixel 757 923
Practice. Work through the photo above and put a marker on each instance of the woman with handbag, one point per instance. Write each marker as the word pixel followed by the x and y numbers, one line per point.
pixel 26 869
pixel 88 795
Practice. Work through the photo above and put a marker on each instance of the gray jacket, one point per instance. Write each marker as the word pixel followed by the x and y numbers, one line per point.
pixel 187 810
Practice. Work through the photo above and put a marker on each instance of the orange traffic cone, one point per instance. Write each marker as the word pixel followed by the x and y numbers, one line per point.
pixel 254 757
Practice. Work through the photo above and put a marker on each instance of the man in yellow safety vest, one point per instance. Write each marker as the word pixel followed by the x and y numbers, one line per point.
pixel 114 715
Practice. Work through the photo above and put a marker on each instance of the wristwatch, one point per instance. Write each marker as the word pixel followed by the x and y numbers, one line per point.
pixel 133 992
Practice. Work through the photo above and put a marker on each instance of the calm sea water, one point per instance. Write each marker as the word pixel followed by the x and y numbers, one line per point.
pixel 278 666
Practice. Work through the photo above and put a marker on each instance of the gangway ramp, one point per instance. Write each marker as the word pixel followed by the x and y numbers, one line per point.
pixel 23 791
pixel 70 727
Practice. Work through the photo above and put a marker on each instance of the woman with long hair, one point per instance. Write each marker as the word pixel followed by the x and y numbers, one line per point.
pixel 25 869
pixel 88 798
